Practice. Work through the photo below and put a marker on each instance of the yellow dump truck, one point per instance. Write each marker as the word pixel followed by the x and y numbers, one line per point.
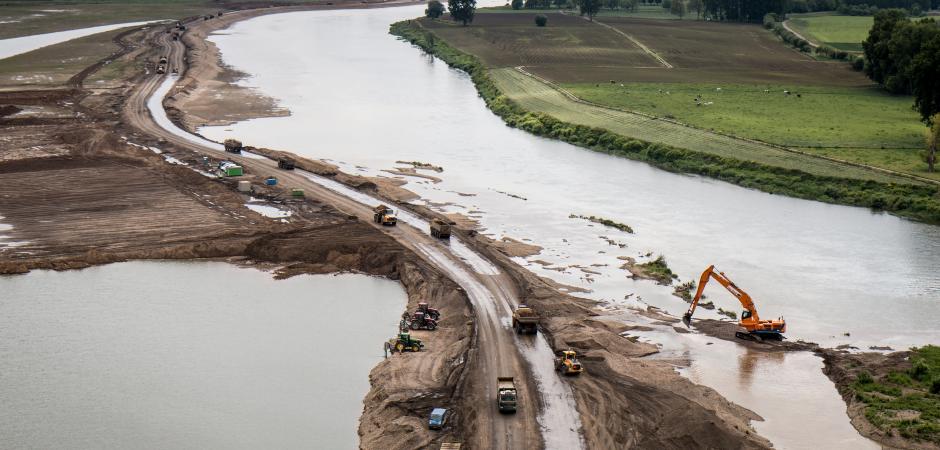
pixel 525 320
pixel 506 394
pixel 384 215
pixel 440 229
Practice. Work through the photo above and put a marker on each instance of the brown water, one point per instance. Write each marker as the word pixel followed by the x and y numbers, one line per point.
pixel 188 355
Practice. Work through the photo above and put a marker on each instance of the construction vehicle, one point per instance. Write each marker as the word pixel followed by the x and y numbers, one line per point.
pixel 230 169
pixel 755 328
pixel 297 193
pixel 440 229
pixel 161 69
pixel 176 71
pixel 431 312
pixel 567 363
pixel 421 321
pixel 163 60
pixel 285 164
pixel 525 320
pixel 385 216
pixel 505 394
pixel 403 342
pixel 233 146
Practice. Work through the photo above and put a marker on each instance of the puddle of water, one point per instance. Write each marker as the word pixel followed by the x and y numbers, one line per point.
pixel 15 46
pixel 188 355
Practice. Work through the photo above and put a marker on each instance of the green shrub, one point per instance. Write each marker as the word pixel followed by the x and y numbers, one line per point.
pixel 935 386
pixel 920 370
pixel 864 377
pixel 541 20
pixel 517 4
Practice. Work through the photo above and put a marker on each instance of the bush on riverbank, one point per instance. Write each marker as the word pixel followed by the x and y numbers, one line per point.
pixel 916 201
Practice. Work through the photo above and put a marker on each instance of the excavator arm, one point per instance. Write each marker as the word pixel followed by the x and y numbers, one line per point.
pixel 720 277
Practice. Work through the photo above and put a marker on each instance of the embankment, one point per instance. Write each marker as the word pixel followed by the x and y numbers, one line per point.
pixel 916 201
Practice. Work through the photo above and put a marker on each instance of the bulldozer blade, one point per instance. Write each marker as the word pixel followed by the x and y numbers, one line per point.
pixel 687 320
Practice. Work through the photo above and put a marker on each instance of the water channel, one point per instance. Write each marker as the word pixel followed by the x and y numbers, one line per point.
pixel 19 45
pixel 188 355
pixel 363 100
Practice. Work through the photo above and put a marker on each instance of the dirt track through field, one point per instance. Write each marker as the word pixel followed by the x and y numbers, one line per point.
pixel 538 96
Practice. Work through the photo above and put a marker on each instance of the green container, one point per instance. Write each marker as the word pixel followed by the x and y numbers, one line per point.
pixel 295 192
pixel 233 171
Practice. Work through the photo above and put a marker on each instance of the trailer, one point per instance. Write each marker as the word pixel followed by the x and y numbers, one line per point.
pixel 441 229
pixel 233 146
pixel 525 320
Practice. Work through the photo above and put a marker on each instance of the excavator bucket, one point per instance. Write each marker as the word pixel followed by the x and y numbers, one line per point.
pixel 687 320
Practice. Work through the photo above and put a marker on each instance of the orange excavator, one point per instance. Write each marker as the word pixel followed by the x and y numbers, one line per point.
pixel 757 329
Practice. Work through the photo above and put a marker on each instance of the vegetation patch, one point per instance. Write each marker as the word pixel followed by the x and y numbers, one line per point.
pixel 905 402
pixel 422 165
pixel 918 201
pixel 605 222
pixel 787 115
pixel 729 314
pixel 658 270
pixel 840 32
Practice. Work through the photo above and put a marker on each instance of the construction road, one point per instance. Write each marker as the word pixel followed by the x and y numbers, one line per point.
pixel 546 418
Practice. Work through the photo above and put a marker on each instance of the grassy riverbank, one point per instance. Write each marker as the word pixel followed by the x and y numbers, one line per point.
pixel 913 200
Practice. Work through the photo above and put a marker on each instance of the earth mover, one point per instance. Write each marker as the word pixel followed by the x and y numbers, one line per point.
pixel 567 363
pixel 403 342
pixel 440 229
pixel 755 329
pixel 420 321
pixel 505 394
pixel 525 320
pixel 233 146
pixel 385 216
pixel 285 164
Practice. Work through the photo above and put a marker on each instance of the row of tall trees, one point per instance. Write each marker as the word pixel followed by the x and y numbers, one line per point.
pixel 904 57
pixel 743 10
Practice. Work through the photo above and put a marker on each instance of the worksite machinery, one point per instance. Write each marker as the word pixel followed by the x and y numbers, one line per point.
pixel 755 328
pixel 525 320
pixel 233 146
pixel 440 229
pixel 505 394
pixel 421 321
pixel 567 363
pixel 384 215
pixel 431 312
pixel 403 342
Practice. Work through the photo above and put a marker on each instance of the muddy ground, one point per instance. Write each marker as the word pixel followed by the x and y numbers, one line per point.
pixel 82 188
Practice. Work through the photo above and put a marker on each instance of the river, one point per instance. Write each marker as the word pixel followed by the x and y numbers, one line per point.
pixel 188 355
pixel 839 275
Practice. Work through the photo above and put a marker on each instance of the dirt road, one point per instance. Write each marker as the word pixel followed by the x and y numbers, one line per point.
pixel 544 398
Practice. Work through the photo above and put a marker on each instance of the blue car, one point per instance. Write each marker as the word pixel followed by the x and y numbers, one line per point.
pixel 438 417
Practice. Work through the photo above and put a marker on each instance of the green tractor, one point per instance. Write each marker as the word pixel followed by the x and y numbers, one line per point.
pixel 403 342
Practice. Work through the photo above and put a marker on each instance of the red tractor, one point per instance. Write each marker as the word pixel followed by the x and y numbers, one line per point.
pixel 421 321
pixel 430 312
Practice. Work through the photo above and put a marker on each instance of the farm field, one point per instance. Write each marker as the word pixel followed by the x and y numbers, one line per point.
pixel 642 12
pixel 536 96
pixel 509 40
pixel 810 116
pixel 55 64
pixel 840 32
pixel 839 113
pixel 24 18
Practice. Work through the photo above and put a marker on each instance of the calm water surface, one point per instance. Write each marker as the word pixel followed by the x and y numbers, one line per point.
pixel 188 355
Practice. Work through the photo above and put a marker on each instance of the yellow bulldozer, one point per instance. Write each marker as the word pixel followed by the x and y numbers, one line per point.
pixel 567 363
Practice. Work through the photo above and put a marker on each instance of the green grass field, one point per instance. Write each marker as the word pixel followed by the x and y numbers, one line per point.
pixel 818 117
pixel 840 32
pixel 642 12
pixel 535 96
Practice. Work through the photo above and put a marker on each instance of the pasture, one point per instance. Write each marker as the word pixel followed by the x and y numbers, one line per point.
pixel 839 32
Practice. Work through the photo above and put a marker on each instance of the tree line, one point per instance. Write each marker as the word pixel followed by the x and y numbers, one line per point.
pixel 903 56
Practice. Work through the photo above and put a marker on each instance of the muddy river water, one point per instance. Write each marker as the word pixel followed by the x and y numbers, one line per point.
pixel 188 355
pixel 839 275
